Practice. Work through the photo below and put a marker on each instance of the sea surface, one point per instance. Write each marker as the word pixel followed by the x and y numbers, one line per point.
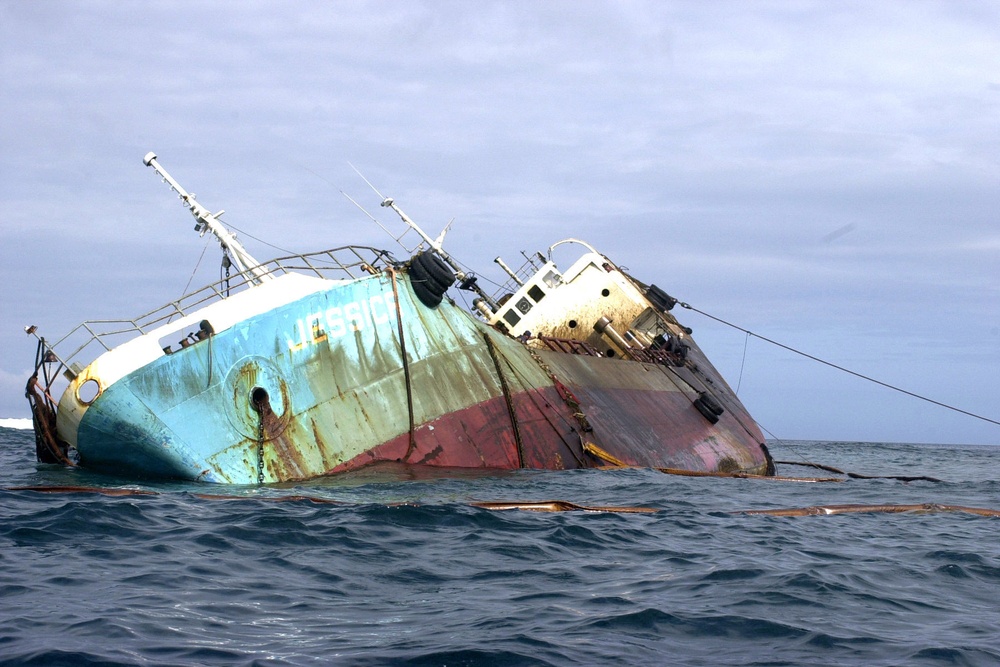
pixel 402 570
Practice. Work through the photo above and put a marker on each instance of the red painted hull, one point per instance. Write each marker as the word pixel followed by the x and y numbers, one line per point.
pixel 650 424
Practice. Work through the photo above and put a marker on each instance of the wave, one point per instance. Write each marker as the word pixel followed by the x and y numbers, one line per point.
pixel 16 422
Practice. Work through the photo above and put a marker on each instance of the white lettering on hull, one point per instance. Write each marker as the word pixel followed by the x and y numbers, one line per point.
pixel 337 321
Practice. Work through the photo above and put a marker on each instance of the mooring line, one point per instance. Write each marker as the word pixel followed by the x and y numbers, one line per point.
pixel 515 427
pixel 533 392
pixel 855 475
pixel 743 363
pixel 412 444
pixel 839 368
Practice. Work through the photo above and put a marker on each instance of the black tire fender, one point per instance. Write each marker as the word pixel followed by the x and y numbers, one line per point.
pixel 660 299
pixel 426 290
pixel 436 269
pixel 706 411
pixel 711 402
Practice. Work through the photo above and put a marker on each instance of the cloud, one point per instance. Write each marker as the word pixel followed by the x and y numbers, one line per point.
pixel 719 150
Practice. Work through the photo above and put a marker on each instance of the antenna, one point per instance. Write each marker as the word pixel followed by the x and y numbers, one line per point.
pixel 208 221
pixel 468 282
pixel 388 202
pixel 397 239
pixel 380 195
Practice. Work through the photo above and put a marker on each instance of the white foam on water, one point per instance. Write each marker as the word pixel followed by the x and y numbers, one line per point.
pixel 15 422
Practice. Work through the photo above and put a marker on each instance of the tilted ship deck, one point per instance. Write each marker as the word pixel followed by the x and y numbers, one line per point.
pixel 315 364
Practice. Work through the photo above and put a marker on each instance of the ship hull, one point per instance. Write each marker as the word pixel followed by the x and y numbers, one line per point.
pixel 363 372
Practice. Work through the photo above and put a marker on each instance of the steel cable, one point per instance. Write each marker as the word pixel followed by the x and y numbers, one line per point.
pixel 839 368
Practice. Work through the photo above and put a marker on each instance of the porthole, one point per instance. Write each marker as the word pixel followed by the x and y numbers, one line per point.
pixel 605 292
pixel 611 353
pixel 88 391
pixel 572 324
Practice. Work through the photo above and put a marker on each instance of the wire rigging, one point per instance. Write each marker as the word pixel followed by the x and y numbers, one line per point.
pixel 197 264
pixel 271 245
pixel 743 363
pixel 839 368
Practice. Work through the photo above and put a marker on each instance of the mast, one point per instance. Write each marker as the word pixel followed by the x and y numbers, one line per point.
pixel 466 281
pixel 208 221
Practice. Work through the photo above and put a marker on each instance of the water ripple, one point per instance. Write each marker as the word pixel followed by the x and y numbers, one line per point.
pixel 394 572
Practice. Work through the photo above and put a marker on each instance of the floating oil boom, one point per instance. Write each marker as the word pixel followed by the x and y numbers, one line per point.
pixel 319 363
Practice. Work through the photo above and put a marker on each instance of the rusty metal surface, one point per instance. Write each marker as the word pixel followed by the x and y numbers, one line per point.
pixel 337 392
pixel 48 447
pixel 332 369
pixel 481 437
pixel 642 415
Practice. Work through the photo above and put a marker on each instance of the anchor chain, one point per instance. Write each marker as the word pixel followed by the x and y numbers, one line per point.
pixel 568 397
pixel 412 443
pixel 573 403
pixel 260 445
pixel 226 264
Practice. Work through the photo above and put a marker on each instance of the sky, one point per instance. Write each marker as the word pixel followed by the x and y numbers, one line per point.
pixel 822 174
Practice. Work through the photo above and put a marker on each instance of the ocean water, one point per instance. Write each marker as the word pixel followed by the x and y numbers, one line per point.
pixel 399 569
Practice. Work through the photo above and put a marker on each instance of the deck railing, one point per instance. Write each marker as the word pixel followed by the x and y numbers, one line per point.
pixel 93 337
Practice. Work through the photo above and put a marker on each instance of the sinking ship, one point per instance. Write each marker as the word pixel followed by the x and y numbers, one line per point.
pixel 316 364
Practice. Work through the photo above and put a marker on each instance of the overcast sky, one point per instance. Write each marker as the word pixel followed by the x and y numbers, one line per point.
pixel 826 174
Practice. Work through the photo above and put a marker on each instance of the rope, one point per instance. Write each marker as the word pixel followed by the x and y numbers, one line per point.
pixel 196 267
pixel 248 235
pixel 197 264
pixel 854 475
pixel 533 393
pixel 406 365
pixel 840 368
pixel 743 363
pixel 507 397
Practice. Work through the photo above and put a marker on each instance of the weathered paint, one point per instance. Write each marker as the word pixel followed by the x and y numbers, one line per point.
pixel 331 368
pixel 289 375
pixel 643 414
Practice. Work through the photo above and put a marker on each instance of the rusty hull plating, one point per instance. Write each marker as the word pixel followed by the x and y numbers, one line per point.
pixel 286 373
